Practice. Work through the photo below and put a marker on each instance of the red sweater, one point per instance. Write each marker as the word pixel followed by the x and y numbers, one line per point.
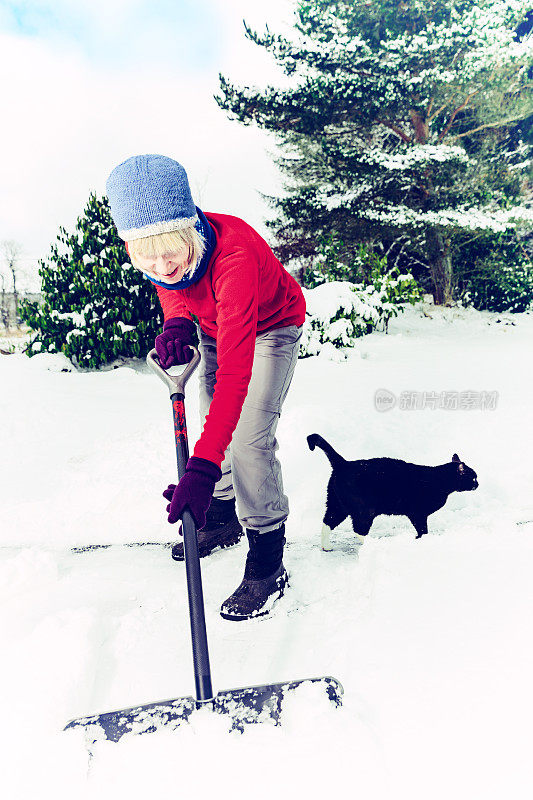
pixel 245 291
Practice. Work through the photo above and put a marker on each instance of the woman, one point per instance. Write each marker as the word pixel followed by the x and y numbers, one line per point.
pixel 250 313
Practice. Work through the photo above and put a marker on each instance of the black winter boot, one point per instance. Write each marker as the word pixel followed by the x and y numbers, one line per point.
pixel 222 529
pixel 265 577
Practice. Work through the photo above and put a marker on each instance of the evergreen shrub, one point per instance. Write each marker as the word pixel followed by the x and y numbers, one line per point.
pixel 340 311
pixel 495 273
pixel 96 306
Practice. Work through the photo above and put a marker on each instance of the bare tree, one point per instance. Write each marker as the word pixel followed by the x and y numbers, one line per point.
pixel 4 307
pixel 11 254
pixel 199 188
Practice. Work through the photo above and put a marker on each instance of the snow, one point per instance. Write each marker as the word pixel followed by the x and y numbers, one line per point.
pixel 430 638
pixel 125 328
pixel 497 220
pixel 77 319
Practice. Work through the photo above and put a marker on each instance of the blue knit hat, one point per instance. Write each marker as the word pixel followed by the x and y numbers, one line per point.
pixel 148 195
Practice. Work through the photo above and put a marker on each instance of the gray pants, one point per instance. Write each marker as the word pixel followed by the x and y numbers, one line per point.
pixel 250 471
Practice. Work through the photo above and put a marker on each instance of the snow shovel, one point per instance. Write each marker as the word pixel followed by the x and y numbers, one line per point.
pixel 242 706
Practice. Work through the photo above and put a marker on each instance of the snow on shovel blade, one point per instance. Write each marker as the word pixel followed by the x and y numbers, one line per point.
pixel 243 706
pixel 265 703
pixel 137 719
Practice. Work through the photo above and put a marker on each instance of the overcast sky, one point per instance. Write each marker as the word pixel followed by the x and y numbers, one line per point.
pixel 88 83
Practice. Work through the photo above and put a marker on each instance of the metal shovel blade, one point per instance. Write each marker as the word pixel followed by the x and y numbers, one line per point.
pixel 243 706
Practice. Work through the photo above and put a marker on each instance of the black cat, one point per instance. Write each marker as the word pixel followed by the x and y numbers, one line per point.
pixel 366 488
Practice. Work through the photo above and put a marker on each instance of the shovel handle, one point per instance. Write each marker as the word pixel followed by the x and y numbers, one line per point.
pixel 174 383
pixel 200 652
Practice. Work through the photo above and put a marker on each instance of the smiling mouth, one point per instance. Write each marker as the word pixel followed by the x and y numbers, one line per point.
pixel 170 274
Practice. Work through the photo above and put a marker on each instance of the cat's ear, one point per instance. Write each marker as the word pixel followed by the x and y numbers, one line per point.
pixel 460 465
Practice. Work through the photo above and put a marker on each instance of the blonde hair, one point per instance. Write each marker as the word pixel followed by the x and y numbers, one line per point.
pixel 187 241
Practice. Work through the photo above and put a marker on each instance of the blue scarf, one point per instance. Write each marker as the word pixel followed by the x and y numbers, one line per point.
pixel 204 229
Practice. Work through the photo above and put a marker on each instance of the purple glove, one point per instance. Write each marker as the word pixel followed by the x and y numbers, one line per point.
pixel 194 491
pixel 171 345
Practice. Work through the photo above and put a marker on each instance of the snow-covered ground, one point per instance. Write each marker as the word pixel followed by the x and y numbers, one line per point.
pixel 431 638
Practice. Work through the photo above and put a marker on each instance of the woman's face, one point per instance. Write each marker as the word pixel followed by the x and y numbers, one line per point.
pixel 168 268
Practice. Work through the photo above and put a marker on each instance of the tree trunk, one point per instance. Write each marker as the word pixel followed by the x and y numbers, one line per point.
pixel 15 295
pixel 4 308
pixel 440 262
pixel 440 267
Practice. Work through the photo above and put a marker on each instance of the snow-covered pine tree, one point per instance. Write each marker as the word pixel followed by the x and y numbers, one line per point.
pixel 96 306
pixel 393 128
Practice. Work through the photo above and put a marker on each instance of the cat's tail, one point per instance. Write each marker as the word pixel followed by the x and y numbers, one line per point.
pixel 314 440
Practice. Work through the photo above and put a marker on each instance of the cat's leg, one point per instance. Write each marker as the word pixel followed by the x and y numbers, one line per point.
pixel 334 515
pixel 325 542
pixel 420 525
pixel 361 524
